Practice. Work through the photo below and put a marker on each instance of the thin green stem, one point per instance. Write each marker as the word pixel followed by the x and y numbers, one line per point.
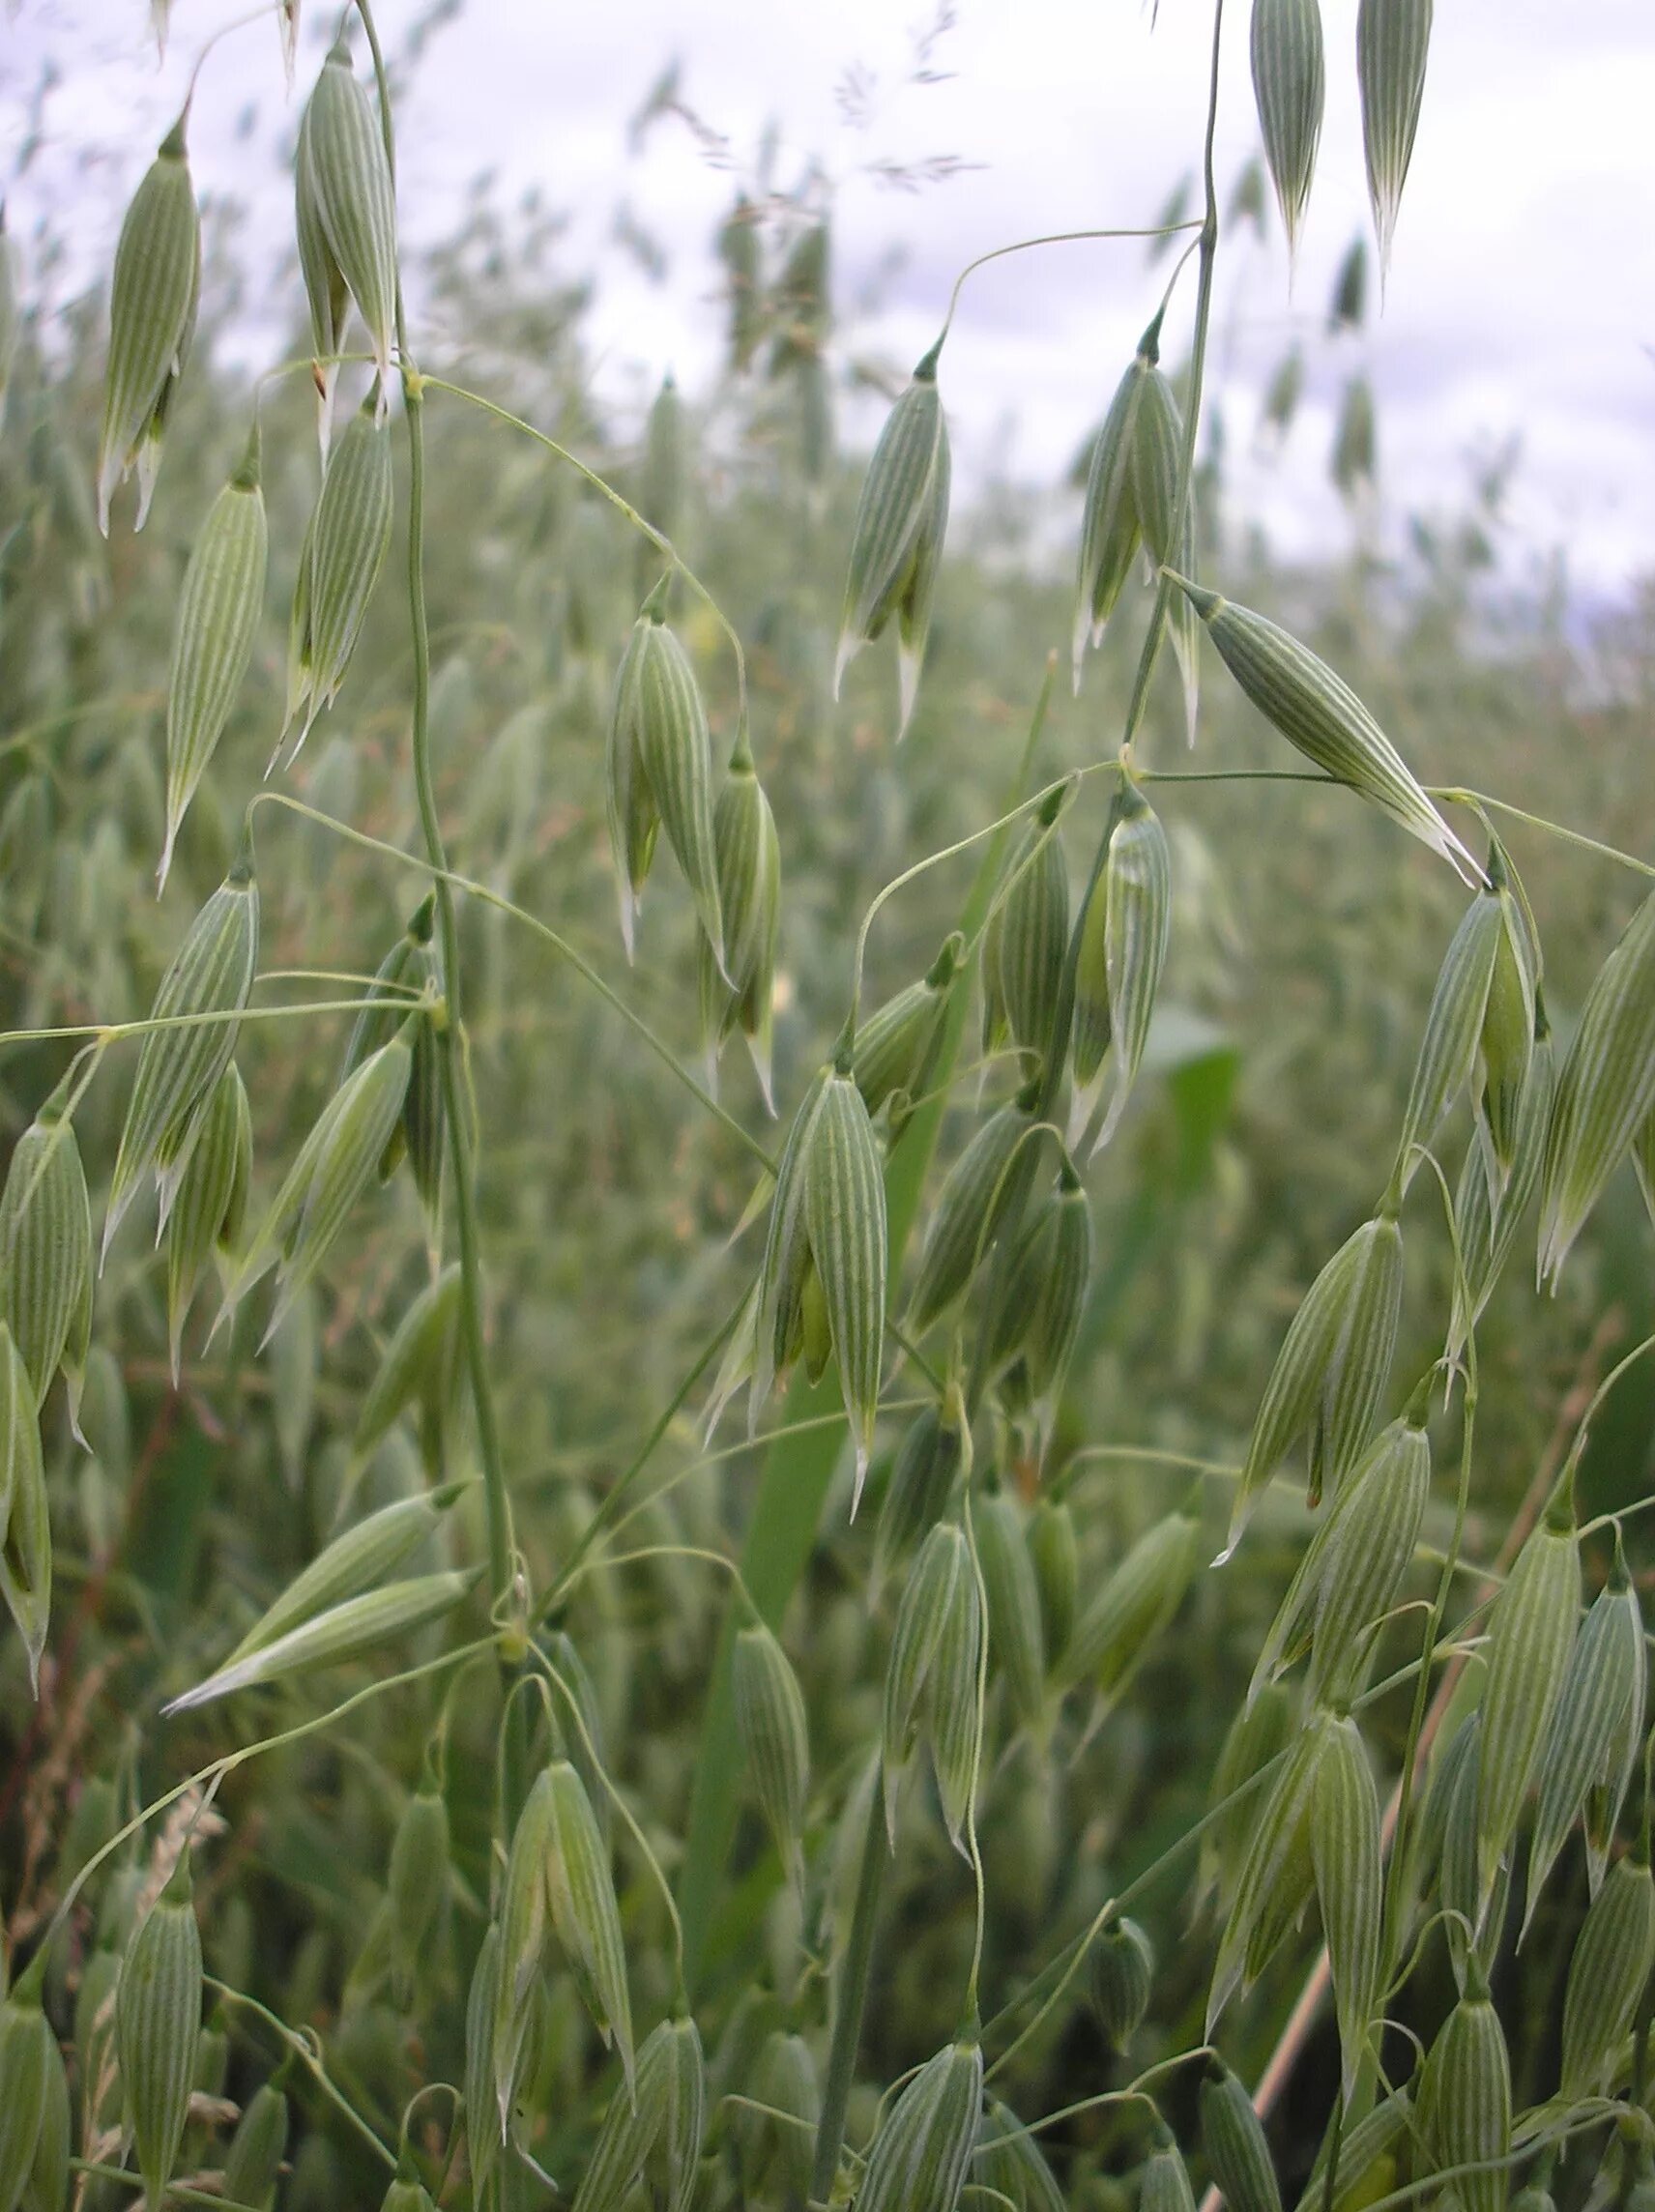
pixel 1049 238
pixel 609 1506
pixel 444 875
pixel 662 544
pixel 498 1502
pixel 306 2052
pixel 1454 796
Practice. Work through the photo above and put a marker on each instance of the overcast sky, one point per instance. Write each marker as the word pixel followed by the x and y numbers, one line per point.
pixel 1522 297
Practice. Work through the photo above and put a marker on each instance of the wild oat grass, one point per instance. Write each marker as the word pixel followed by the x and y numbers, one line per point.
pixel 448 1760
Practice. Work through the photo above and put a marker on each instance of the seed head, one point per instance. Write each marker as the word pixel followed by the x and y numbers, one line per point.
pixel 26 1520
pixel 1345 1853
pixel 1530 1637
pixel 257 2148
pixel 1606 1092
pixel 1331 1372
pixel 341 1631
pixel 1393 38
pixel 968 1210
pixel 346 196
pixel 1233 2138
pixel 896 543
pixel 1317 712
pixel 1613 1957
pixel 920 1484
pixel 212 1200
pixel 1122 1973
pixel 1033 933
pixel 1122 951
pixel 152 319
pixel 46 1248
pixel 923 2151
pixel 774 1738
pixel 1465 2099
pixel 180 1062
pixel 1596 1729
pixel 340 562
pixel 1015 1638
pixel 749 903
pixel 158 2017
pixel 1288 84
pixel 218 609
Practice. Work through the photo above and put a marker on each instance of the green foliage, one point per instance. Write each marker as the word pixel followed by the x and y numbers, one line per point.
pixel 404 1478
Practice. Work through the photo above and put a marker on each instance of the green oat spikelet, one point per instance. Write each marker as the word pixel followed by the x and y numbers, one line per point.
pixel 1009 2160
pixel 1055 1550
pixel 749 903
pixel 253 2163
pixel 1233 2138
pixel 930 1687
pixel 357 1559
pixel 557 1881
pixel 1530 1636
pixel 1123 947
pixel 921 1481
pixel 774 1738
pixel 337 1161
pixel 844 1224
pixel 158 2017
pixel 1123 1976
pixel 655 2137
pixel 969 1210
pixel 1609 1971
pixel 1331 1372
pixel 1463 2102
pixel 1113 1633
pixel 208 1212
pixel 152 319
pixel 1349 1886
pixel 26 1520
pixel 1453 1028
pixel 179 1065
pixel 218 609
pixel 1596 1727
pixel 1166 2184
pixel 1393 38
pixel 328 1639
pixel 1317 712
pixel 1015 1639
pixel 896 541
pixel 1032 932
pixel 1290 87
pixel 343 552
pixel 420 1366
pixel 1110 527
pixel 46 1248
pixel 27 2049
pixel 891 1052
pixel 1278 1874
pixel 1606 1092
pixel 352 203
pixel 923 2151
pixel 1487 1216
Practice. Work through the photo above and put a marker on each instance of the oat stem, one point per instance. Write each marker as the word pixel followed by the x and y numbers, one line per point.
pixel 497 1499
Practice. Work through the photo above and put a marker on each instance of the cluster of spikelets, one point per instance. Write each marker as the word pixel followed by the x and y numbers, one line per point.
pixel 1070 995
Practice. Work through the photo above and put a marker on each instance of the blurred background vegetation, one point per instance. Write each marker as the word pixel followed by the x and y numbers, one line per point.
pixel 1306 936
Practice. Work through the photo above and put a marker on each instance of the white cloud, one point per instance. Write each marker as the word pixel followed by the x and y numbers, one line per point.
pixel 1519 302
